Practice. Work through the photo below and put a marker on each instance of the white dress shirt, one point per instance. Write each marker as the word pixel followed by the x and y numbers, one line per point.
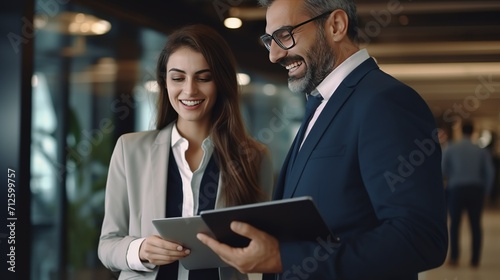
pixel 191 182
pixel 330 84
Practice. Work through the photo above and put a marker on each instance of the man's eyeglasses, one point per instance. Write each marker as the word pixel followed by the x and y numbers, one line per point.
pixel 284 36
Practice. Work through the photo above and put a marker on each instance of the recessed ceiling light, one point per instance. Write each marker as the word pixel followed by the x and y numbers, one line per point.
pixel 233 23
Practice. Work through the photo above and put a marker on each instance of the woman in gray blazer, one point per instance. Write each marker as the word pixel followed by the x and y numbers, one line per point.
pixel 199 157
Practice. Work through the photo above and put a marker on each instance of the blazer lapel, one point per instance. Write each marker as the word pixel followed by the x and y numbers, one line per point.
pixel 160 151
pixel 331 109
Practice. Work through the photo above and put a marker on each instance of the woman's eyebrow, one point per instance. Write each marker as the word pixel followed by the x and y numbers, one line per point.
pixel 176 70
pixel 202 71
pixel 182 71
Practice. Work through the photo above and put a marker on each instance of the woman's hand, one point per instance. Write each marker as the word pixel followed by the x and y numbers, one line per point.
pixel 158 251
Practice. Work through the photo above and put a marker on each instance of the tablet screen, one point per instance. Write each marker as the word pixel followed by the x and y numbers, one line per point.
pixel 183 230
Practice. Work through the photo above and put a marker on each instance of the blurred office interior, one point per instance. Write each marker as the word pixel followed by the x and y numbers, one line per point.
pixel 78 74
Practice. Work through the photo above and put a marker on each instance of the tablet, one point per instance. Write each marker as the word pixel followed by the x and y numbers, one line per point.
pixel 292 219
pixel 183 230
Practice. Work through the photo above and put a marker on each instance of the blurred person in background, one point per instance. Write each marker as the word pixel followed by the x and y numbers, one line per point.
pixel 470 176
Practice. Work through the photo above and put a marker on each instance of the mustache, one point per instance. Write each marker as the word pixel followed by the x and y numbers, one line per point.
pixel 290 59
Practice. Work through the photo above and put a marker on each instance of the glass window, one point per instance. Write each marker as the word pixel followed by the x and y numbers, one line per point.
pixel 92 83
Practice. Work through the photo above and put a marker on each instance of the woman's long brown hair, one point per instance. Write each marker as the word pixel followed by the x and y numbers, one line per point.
pixel 237 154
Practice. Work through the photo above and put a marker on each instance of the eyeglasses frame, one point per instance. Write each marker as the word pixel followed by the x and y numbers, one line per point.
pixel 289 29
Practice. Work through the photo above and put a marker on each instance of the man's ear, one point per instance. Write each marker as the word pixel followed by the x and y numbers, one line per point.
pixel 337 25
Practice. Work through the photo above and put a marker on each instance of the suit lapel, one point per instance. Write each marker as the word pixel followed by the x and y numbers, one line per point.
pixel 280 184
pixel 331 109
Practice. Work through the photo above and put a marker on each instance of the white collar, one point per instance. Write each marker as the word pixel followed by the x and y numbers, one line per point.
pixel 177 139
pixel 328 86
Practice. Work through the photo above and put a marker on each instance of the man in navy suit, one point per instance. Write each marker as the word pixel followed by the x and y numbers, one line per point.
pixel 369 157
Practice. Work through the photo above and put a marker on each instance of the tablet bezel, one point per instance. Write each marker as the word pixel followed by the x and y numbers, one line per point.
pixel 183 230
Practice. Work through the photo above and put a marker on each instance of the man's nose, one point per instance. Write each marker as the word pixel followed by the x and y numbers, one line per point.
pixel 276 52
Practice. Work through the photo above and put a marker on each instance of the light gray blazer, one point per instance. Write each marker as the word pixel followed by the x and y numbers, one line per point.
pixel 136 194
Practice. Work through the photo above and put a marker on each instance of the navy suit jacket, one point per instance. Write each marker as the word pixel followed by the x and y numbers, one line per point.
pixel 372 164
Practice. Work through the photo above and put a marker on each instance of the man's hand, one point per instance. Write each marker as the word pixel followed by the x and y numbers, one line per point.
pixel 158 251
pixel 262 255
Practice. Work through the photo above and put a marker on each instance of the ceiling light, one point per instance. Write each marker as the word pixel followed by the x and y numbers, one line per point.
pixel 80 17
pixel 73 24
pixel 40 21
pixel 269 89
pixel 152 86
pixel 85 27
pixel 232 23
pixel 243 79
pixel 485 139
pixel 100 27
pixel 34 80
pixel 441 70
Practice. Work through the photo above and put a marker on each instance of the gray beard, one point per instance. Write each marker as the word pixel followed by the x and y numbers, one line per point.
pixel 321 63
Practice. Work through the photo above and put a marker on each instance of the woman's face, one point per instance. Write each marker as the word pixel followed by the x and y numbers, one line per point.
pixel 190 85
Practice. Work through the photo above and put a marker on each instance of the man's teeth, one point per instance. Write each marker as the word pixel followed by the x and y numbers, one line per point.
pixel 293 65
pixel 191 102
